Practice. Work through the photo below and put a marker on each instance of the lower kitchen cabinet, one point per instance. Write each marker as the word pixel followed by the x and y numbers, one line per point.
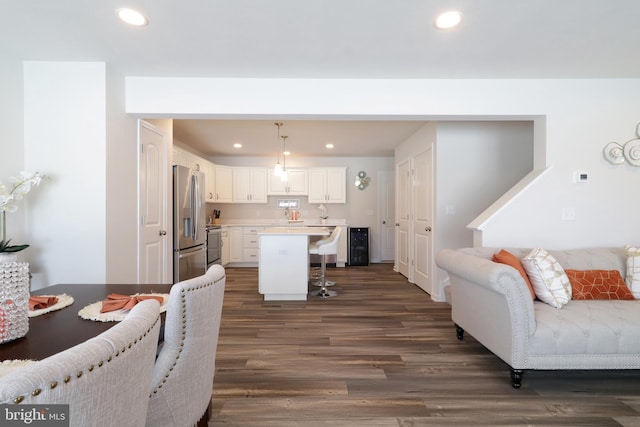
pixel 243 245
pixel 235 244
pixel 226 246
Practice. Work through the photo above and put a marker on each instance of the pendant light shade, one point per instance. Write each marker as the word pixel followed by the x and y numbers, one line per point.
pixel 277 169
pixel 284 176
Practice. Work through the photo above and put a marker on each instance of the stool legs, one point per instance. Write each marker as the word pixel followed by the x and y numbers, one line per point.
pixel 315 277
pixel 323 292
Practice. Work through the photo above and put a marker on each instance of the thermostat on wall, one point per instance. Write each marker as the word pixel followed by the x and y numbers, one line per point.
pixel 580 177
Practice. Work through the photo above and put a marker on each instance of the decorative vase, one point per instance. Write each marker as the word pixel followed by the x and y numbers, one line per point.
pixel 8 257
pixel 323 220
pixel 14 299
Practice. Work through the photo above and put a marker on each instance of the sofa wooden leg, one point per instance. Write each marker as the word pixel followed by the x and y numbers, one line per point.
pixel 204 419
pixel 516 377
pixel 459 332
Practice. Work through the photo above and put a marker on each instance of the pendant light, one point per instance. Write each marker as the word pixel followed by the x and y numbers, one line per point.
pixel 277 170
pixel 284 176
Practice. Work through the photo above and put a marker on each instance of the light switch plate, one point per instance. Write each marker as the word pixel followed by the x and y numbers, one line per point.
pixel 569 214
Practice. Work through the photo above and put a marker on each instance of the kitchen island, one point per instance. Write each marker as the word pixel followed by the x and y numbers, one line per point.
pixel 283 269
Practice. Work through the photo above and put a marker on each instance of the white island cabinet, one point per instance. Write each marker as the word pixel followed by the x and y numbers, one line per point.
pixel 283 270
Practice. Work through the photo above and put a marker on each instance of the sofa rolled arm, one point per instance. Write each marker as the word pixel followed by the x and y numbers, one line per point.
pixel 500 278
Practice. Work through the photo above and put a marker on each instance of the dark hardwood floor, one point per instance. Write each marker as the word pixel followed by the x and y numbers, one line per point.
pixel 382 353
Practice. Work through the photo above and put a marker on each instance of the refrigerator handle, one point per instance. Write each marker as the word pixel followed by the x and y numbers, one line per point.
pixel 192 253
pixel 195 211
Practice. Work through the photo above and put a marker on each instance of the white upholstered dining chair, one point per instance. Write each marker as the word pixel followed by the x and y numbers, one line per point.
pixel 184 371
pixel 104 380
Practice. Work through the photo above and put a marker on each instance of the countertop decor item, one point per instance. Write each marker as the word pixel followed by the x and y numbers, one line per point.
pixel 323 214
pixel 20 186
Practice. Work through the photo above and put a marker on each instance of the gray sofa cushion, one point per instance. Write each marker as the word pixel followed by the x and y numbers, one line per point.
pixel 587 327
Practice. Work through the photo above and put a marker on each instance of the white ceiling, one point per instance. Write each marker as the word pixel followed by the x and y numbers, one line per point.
pixel 304 137
pixel 329 39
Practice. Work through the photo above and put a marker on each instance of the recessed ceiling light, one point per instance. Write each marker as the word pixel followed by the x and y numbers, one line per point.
pixel 448 19
pixel 132 17
pixel 286 153
pixel 329 146
pixel 237 145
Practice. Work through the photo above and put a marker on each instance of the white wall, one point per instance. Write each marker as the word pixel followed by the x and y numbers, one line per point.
pixel 477 162
pixel 11 147
pixel 581 117
pixel 121 163
pixel 65 138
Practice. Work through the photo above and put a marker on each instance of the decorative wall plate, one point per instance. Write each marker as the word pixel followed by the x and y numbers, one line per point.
pixel 632 151
pixel 614 153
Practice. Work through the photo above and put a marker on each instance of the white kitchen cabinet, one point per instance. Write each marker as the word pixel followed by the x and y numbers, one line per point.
pixel 235 244
pixel 191 161
pixel 226 253
pixel 209 170
pixel 296 184
pixel 185 158
pixel 224 184
pixel 249 185
pixel 341 257
pixel 250 244
pixel 243 245
pixel 328 185
pixel 176 156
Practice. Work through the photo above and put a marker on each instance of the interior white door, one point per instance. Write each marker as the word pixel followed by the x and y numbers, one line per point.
pixel 403 187
pixel 387 215
pixel 422 192
pixel 153 249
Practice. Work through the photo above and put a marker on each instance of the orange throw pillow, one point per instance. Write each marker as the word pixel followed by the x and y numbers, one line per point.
pixel 598 284
pixel 506 257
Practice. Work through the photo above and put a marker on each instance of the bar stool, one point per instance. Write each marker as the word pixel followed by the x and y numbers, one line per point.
pixel 325 247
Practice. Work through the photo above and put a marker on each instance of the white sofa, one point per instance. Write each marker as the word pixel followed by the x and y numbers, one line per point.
pixel 492 302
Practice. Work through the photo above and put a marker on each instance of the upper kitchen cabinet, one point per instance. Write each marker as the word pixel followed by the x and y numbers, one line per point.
pixel 224 184
pixel 249 185
pixel 176 156
pixel 209 170
pixel 296 184
pixel 192 161
pixel 328 185
pixel 184 158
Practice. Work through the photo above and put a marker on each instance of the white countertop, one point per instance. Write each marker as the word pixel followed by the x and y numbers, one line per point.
pixel 282 223
pixel 297 230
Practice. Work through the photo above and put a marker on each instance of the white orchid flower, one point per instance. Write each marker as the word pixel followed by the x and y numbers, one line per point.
pixel 21 185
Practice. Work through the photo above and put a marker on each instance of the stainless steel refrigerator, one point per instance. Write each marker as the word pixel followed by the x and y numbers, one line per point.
pixel 189 234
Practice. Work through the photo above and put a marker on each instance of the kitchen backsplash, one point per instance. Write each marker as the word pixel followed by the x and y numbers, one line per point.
pixel 271 211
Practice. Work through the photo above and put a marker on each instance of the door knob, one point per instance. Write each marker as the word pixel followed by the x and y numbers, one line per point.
pixel 427 229
pixel 162 233
pixel 384 222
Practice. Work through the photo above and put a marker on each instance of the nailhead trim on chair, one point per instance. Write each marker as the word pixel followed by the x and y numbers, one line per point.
pixel 90 368
pixel 184 328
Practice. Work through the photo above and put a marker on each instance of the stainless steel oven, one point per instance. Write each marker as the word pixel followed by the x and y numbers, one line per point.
pixel 214 245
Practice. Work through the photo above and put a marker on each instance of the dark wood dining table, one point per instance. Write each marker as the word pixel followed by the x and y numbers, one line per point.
pixel 53 332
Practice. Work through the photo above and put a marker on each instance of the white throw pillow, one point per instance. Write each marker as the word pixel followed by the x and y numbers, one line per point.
pixel 633 270
pixel 548 278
